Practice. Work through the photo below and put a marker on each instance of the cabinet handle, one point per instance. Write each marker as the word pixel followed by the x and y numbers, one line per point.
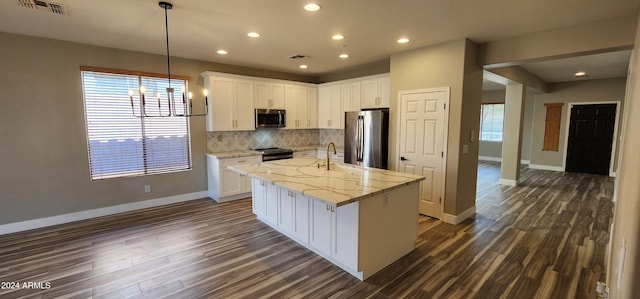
pixel 261 183
pixel 333 209
pixel 327 206
pixel 242 161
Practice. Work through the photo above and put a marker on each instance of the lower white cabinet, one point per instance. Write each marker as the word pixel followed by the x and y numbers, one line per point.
pixel 259 195
pixel 331 232
pixel 334 231
pixel 321 218
pixel 224 184
pixel 271 200
pixel 361 237
pixel 293 216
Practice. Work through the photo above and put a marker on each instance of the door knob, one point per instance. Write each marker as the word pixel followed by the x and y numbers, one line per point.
pixel 403 159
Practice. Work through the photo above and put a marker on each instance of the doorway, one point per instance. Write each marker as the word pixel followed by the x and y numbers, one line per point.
pixel 590 140
pixel 422 148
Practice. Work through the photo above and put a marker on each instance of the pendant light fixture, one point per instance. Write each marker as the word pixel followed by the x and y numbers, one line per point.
pixel 187 104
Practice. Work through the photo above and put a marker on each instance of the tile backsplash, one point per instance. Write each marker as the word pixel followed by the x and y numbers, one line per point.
pixel 260 138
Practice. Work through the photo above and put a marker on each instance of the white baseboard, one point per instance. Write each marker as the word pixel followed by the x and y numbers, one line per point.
pixel 612 174
pixel 546 167
pixel 71 217
pixel 499 159
pixel 508 182
pixel 456 219
pixel 492 159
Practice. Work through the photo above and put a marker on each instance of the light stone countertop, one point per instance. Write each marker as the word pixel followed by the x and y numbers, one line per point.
pixel 343 184
pixel 233 154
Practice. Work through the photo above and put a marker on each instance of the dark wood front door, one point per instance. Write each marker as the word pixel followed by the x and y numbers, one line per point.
pixel 590 138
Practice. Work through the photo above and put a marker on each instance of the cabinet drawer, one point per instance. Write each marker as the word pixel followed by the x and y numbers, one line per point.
pixel 238 161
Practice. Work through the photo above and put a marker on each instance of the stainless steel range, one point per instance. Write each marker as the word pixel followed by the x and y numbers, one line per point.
pixel 275 153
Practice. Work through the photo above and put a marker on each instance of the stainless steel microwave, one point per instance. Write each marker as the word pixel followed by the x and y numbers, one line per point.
pixel 270 118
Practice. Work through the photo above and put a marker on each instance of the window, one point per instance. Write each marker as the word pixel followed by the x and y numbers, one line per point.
pixel 491 122
pixel 121 144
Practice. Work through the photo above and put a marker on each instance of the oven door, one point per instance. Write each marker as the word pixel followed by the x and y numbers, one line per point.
pixel 270 118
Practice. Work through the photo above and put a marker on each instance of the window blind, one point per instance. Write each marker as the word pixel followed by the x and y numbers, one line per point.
pixel 491 122
pixel 121 144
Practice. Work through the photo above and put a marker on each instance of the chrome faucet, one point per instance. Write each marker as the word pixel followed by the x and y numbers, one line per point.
pixel 334 152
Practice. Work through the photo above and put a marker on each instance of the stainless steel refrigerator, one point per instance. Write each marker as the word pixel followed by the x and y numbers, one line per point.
pixel 366 138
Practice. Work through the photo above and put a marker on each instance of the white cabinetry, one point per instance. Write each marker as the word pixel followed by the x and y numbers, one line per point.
pixel 375 93
pixel 302 106
pixel 330 107
pixel 271 204
pixel 269 95
pixel 334 231
pixel 351 96
pixel 320 226
pixel 293 216
pixel 259 197
pixel 224 184
pixel 312 107
pixel 230 101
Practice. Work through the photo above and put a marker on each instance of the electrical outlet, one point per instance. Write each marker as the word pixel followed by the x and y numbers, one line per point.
pixel 147 188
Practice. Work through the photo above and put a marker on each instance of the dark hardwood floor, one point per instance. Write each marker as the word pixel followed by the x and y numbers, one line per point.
pixel 544 239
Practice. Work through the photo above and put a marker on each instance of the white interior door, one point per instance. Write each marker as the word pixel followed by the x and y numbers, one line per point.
pixel 422 138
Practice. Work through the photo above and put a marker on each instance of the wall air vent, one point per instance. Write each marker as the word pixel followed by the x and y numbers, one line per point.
pixel 51 7
pixel 297 56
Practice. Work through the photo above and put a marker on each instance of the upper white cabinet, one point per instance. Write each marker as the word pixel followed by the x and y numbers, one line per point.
pixel 351 96
pixel 269 95
pixel 301 105
pixel 312 107
pixel 375 92
pixel 230 103
pixel 330 107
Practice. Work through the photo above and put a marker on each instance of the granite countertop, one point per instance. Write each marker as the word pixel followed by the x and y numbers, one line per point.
pixel 233 154
pixel 343 184
pixel 315 147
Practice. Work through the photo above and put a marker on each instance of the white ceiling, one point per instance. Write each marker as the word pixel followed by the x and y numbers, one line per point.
pixel 198 28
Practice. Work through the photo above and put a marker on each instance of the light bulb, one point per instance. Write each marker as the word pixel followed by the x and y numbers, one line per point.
pixel 190 95
pixel 205 92
pixel 142 89
pixel 130 92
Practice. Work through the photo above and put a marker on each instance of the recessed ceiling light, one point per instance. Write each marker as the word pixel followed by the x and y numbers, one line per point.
pixel 253 34
pixel 403 40
pixel 344 55
pixel 221 52
pixel 580 74
pixel 312 7
pixel 337 36
pixel 303 66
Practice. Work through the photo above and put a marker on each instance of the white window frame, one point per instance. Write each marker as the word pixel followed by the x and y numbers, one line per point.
pixel 120 144
pixel 491 117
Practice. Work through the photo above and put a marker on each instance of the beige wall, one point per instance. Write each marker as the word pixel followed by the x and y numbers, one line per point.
pixel 626 223
pixel 594 37
pixel 451 64
pixel 603 90
pixel 44 167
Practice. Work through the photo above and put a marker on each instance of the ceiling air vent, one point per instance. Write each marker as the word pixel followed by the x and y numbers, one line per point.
pixel 51 7
pixel 297 56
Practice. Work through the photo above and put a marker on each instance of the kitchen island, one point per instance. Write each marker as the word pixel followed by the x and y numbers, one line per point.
pixel 361 219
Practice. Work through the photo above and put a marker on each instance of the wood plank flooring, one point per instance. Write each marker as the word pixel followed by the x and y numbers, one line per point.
pixel 544 239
